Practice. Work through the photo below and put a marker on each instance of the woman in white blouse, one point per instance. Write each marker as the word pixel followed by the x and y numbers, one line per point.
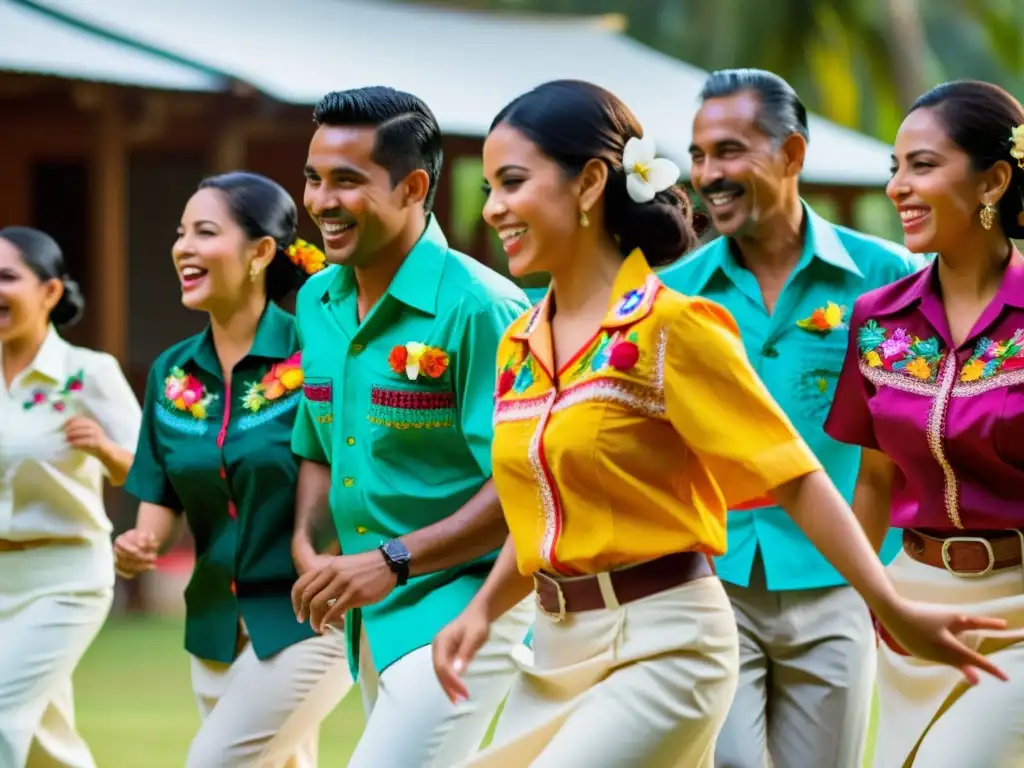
pixel 68 418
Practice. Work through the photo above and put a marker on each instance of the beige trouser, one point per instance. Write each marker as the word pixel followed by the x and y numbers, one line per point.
pixel 409 721
pixel 266 714
pixel 928 706
pixel 645 685
pixel 41 642
pixel 807 670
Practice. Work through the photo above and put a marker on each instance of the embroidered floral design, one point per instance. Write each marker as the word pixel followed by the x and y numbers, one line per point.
pixel 629 302
pixel 516 374
pixel 57 400
pixel 992 357
pixel 899 351
pixel 282 379
pixel 186 393
pixel 824 319
pixel 414 358
pixel 610 351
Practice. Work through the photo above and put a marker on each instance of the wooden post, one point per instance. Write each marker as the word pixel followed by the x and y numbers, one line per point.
pixel 109 262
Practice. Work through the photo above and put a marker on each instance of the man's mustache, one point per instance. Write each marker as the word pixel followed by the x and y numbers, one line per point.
pixel 721 187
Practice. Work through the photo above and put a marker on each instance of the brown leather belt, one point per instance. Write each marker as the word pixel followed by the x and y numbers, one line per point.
pixel 971 554
pixel 560 596
pixel 21 546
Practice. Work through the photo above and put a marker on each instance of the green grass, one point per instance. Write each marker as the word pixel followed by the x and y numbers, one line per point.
pixel 135 706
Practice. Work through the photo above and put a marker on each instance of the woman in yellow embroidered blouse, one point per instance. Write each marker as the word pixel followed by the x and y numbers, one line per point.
pixel 615 463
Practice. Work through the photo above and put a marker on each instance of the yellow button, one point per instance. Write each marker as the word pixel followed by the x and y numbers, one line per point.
pixel 349 482
pixel 357 348
pixel 360 530
pixel 350 440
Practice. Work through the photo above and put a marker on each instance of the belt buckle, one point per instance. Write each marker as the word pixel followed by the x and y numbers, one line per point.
pixel 560 615
pixel 968 574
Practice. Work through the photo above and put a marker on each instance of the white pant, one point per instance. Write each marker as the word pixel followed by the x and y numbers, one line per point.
pixel 410 723
pixel 41 643
pixel 266 714
pixel 642 685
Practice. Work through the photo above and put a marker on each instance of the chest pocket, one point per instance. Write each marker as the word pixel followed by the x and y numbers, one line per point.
pixel 1008 403
pixel 414 433
pixel 816 363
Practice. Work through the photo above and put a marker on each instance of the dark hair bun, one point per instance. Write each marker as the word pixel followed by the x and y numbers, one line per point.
pixel 42 254
pixel 71 307
pixel 661 228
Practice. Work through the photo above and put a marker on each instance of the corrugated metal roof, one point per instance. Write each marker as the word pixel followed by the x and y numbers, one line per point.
pixel 465 65
pixel 33 42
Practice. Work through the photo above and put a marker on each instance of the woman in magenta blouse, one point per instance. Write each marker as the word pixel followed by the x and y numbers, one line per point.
pixel 933 389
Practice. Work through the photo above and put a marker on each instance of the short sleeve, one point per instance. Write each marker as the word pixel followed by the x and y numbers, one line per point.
pixel 722 410
pixel 475 374
pixel 147 481
pixel 305 436
pixel 305 439
pixel 109 399
pixel 850 419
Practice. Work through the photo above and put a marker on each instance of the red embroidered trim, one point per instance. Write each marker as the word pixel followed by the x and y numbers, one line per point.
pixel 411 401
pixel 318 393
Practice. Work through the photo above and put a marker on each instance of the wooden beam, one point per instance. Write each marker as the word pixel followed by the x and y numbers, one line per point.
pixel 109 262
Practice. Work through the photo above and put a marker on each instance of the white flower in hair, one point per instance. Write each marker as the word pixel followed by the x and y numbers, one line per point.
pixel 646 175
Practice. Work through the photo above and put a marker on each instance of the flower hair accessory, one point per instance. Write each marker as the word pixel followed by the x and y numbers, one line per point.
pixel 646 175
pixel 306 256
pixel 1017 145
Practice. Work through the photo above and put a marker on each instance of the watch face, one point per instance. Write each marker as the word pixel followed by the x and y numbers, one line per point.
pixel 396 551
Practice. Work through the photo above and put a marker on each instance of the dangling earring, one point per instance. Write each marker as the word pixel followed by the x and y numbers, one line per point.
pixel 988 216
pixel 254 272
pixel 584 221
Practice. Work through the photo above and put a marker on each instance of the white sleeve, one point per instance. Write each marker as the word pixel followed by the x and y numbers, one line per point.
pixel 108 398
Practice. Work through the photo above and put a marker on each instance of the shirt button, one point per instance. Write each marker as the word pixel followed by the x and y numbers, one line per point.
pixel 350 440
pixel 348 482
pixel 360 530
pixel 356 348
pixel 769 351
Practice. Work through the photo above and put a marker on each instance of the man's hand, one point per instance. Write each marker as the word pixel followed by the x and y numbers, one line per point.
pixel 324 595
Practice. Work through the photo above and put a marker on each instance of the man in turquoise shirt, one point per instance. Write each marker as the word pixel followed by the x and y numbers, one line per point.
pixel 790 279
pixel 399 336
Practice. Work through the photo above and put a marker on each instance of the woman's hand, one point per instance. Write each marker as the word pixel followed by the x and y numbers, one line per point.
pixel 454 648
pixel 85 434
pixel 931 632
pixel 135 552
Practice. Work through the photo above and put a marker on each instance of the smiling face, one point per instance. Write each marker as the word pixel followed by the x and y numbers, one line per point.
pixel 212 255
pixel 531 203
pixel 934 187
pixel 737 170
pixel 25 300
pixel 350 197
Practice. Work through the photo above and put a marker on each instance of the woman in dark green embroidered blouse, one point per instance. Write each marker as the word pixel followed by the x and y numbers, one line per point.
pixel 215 446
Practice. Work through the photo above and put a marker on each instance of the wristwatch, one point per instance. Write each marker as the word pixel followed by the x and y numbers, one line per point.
pixel 397 557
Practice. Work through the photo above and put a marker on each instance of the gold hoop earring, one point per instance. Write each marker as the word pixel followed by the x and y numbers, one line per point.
pixel 584 221
pixel 988 216
pixel 254 272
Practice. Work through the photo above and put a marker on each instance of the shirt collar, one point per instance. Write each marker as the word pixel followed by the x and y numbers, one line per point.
pixel 273 341
pixel 820 241
pixel 926 284
pixel 632 299
pixel 51 360
pixel 418 280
